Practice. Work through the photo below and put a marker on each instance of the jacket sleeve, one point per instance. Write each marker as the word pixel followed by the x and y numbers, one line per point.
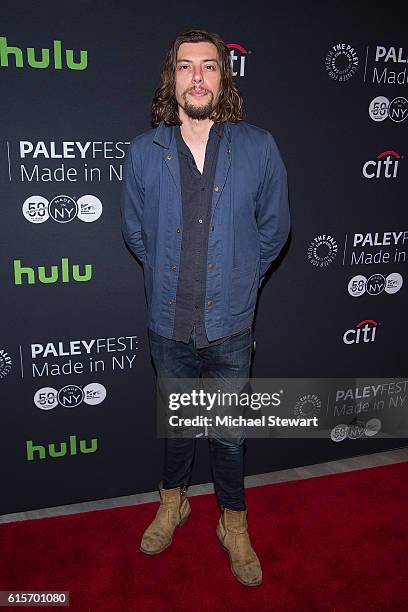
pixel 132 202
pixel 272 207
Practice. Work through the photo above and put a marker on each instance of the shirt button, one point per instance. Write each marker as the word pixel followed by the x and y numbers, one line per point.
pixel 178 230
pixel 216 188
pixel 210 302
pixel 171 301
pixel 210 265
pixel 168 157
pixel 200 220
pixel 173 268
pixel 212 228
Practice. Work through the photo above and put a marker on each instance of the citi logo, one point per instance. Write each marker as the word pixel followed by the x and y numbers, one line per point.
pixel 63 273
pixel 363 332
pixel 59 449
pixel 238 52
pixel 56 57
pixel 384 166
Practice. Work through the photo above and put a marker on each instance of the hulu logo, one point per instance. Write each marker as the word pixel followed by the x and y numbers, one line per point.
pixel 59 449
pixel 62 273
pixel 45 58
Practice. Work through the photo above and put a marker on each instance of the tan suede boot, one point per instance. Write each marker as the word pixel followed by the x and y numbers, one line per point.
pixel 173 512
pixel 233 536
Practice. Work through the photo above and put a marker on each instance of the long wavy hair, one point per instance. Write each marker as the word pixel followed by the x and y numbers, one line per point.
pixel 229 106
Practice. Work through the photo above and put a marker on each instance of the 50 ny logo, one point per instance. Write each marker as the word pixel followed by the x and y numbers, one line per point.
pixel 62 208
pixel 69 396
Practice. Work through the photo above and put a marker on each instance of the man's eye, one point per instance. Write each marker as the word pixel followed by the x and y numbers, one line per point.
pixel 211 66
pixel 184 66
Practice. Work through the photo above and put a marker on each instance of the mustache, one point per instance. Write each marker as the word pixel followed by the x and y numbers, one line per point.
pixel 193 88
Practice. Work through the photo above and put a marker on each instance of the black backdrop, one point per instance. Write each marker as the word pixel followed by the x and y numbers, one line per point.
pixel 314 99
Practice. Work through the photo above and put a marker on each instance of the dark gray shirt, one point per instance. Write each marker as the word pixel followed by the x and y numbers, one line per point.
pixel 196 193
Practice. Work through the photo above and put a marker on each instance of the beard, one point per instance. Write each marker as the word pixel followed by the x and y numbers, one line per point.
pixel 198 111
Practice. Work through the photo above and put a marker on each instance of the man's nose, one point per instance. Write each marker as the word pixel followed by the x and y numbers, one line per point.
pixel 197 75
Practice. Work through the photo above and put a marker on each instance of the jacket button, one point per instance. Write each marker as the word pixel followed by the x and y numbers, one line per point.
pixel 216 188
pixel 168 157
pixel 178 230
pixel 210 302
pixel 173 268
pixel 210 265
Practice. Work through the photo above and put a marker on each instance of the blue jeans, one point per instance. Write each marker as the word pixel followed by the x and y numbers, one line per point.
pixel 230 359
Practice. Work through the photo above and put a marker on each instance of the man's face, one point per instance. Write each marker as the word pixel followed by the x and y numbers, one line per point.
pixel 198 79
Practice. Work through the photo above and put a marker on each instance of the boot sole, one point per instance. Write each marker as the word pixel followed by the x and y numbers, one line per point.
pixel 232 569
pixel 157 552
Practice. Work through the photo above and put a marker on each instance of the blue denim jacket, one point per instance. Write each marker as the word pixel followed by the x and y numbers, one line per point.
pixel 250 223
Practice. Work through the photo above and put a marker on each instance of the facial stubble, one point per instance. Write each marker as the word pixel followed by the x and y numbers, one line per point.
pixel 198 112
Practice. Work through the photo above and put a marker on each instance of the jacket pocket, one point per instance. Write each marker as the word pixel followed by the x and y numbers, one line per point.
pixel 244 288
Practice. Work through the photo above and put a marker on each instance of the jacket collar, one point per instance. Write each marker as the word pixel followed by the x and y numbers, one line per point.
pixel 165 133
pixel 165 137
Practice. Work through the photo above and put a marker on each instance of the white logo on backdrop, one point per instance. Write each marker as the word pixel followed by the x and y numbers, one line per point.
pixel 341 62
pixel 322 250
pixel 381 108
pixel 355 430
pixel 375 284
pixel 308 406
pixel 5 363
pixel 62 208
pixel 384 166
pixel 69 396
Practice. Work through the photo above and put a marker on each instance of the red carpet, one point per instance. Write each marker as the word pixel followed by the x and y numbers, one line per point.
pixel 329 543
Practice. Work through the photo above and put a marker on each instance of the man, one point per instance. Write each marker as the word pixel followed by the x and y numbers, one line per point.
pixel 205 209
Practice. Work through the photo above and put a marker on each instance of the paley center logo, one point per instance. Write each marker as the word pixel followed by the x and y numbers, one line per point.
pixel 238 54
pixel 362 332
pixel 383 65
pixel 385 165
pixel 375 284
pixel 307 406
pixel 69 396
pixel 5 363
pixel 341 62
pixel 322 250
pixel 56 58
pixel 62 208
pixel 64 273
pixel 360 249
pixel 380 108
